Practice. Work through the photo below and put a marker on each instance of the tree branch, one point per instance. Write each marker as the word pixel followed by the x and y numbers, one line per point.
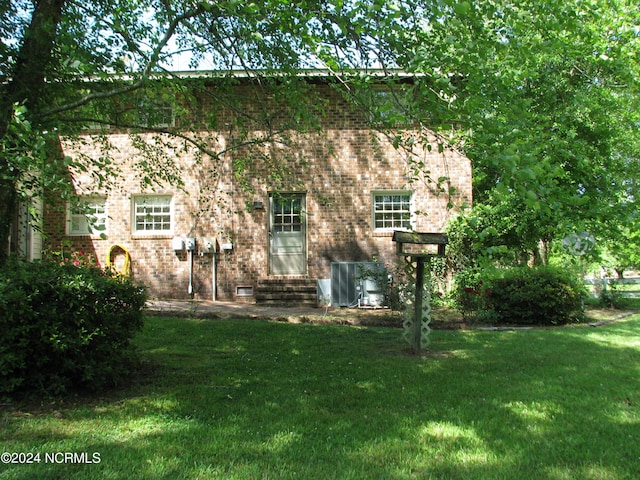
pixel 152 62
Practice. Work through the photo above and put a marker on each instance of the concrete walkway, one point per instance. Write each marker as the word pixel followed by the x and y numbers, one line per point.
pixel 209 309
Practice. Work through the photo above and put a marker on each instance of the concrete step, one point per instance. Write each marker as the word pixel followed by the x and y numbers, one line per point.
pixel 292 292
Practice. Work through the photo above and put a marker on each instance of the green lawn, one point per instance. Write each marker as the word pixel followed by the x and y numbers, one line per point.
pixel 236 399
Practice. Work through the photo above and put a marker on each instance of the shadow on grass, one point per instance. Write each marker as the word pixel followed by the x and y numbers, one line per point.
pixel 242 399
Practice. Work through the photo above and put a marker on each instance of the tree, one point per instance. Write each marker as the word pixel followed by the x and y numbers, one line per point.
pixel 27 76
pixel 67 64
pixel 622 250
pixel 561 131
pixel 547 107
pixel 541 95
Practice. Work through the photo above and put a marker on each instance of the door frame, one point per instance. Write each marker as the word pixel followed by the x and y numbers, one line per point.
pixel 271 234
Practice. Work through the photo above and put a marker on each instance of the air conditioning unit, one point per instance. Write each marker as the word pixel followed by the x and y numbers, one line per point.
pixel 347 289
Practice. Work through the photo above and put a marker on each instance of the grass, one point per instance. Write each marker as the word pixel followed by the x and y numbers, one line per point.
pixel 237 399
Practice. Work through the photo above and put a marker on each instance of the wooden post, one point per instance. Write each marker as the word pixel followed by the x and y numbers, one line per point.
pixel 422 239
pixel 417 315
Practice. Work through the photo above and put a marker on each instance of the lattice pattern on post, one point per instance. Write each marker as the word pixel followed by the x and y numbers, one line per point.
pixel 417 313
pixel 409 313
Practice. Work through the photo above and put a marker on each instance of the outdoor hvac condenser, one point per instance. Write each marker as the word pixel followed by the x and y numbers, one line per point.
pixel 346 283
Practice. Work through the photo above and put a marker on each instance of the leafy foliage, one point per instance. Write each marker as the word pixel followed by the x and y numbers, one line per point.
pixel 622 250
pixel 502 230
pixel 389 280
pixel 522 295
pixel 543 96
pixel 467 294
pixel 65 326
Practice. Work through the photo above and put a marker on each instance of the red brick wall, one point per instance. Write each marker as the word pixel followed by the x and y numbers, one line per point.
pixel 336 167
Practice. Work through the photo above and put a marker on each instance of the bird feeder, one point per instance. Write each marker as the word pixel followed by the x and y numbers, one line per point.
pixel 418 248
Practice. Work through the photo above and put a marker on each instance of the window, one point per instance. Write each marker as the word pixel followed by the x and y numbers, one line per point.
pixel 156 114
pixel 287 213
pixel 96 115
pixel 392 211
pixel 390 107
pixel 152 214
pixel 87 217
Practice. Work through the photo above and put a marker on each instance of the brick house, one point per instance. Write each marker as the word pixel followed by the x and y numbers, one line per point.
pixel 338 193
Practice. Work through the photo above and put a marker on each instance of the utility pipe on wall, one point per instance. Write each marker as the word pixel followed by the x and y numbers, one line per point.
pixel 214 257
pixel 191 247
pixel 190 273
pixel 210 246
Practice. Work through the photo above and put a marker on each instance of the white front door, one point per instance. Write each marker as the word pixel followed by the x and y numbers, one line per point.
pixel 287 234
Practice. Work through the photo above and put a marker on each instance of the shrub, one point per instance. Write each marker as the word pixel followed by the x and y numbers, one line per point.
pixel 533 296
pixel 609 295
pixel 467 294
pixel 383 277
pixel 65 326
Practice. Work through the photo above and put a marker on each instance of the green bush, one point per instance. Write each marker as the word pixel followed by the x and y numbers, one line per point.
pixel 533 296
pixel 468 293
pixel 65 326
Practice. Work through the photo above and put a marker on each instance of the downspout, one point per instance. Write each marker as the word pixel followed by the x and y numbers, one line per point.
pixel 214 257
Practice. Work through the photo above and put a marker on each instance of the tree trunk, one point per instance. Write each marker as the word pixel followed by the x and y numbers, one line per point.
pixel 8 208
pixel 27 86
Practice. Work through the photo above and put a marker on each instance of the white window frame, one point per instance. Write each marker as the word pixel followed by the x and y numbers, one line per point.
pixel 96 125
pixel 88 218
pixel 391 209
pixel 387 103
pixel 157 207
pixel 151 112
